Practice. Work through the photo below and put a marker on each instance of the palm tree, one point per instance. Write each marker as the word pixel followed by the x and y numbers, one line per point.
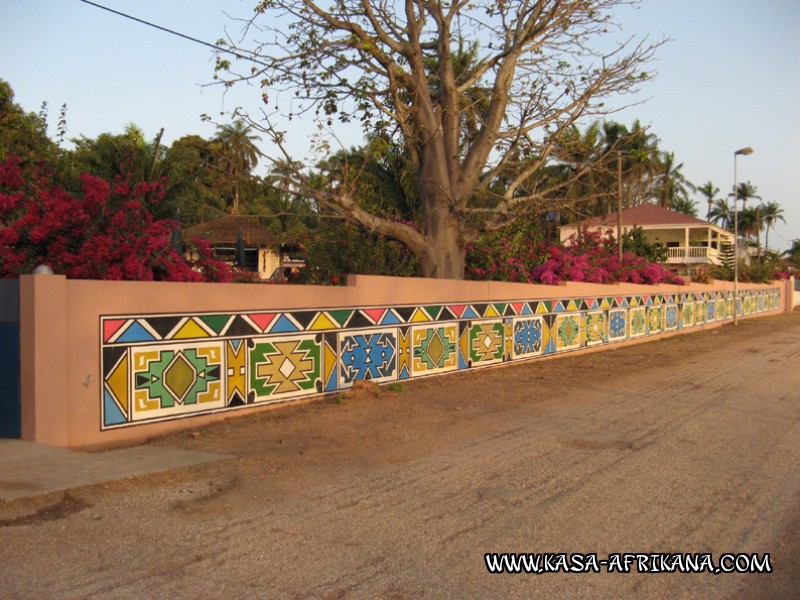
pixel 641 165
pixel 793 254
pixel 721 213
pixel 746 191
pixel 578 154
pixel 687 206
pixel 128 154
pixel 771 212
pixel 237 155
pixel 673 188
pixel 709 191
pixel 750 223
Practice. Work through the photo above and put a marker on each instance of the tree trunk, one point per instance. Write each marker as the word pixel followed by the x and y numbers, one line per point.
pixel 444 258
pixel 235 204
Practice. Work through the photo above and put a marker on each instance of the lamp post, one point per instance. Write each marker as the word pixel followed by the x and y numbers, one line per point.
pixel 743 152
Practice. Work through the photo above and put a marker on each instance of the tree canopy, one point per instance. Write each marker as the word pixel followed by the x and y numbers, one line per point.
pixel 475 92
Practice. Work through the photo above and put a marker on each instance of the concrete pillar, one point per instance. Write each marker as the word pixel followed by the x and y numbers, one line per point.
pixel 43 359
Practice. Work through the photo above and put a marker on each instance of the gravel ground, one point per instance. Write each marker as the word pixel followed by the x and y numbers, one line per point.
pixel 688 444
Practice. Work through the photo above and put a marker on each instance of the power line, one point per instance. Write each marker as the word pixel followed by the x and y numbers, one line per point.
pixel 216 47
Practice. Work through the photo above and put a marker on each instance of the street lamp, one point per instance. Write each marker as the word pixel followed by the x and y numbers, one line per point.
pixel 743 152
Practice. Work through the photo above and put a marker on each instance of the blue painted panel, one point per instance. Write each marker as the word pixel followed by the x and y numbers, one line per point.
pixel 10 409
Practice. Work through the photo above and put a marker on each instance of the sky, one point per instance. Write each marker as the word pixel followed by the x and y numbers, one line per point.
pixel 729 78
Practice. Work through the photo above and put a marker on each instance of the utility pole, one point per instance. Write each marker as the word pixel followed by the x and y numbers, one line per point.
pixel 619 207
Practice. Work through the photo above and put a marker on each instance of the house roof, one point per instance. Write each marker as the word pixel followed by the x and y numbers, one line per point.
pixel 644 214
pixel 226 231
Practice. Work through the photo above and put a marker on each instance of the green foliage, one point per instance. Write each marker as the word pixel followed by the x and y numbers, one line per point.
pixel 635 242
pixel 709 191
pixel 761 268
pixel 771 213
pixel 793 254
pixel 721 214
pixel 609 155
pixel 191 184
pixel 341 249
pixel 727 257
pixel 701 275
pixel 23 134
pixel 507 254
pixel 382 176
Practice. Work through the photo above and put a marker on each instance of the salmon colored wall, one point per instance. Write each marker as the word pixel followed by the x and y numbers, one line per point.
pixel 60 332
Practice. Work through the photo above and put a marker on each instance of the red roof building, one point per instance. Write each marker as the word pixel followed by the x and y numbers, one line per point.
pixel 688 240
pixel 260 251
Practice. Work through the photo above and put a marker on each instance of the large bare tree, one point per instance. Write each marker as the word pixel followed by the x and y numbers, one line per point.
pixel 476 92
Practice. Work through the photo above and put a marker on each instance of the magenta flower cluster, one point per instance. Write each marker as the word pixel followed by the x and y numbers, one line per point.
pixel 107 231
pixel 591 256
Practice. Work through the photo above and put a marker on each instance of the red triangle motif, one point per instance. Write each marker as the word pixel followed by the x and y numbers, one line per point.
pixel 375 314
pixel 262 319
pixel 518 306
pixel 111 327
pixel 458 309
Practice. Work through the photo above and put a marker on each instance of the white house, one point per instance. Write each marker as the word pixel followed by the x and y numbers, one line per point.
pixel 688 240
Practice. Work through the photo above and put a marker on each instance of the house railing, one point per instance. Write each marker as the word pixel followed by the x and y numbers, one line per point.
pixel 692 254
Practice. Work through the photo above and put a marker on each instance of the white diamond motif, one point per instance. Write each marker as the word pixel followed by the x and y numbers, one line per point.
pixel 286 368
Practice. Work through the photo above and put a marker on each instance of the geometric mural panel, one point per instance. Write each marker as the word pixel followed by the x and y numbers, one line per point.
pixel 527 338
pixel 654 319
pixel 720 309
pixel 567 332
pixel 166 366
pixel 486 342
pixel 369 355
pixel 687 315
pixel 617 324
pixel 175 379
pixel 284 367
pixel 699 312
pixel 595 327
pixel 434 349
pixel 670 317
pixel 236 371
pixel 637 321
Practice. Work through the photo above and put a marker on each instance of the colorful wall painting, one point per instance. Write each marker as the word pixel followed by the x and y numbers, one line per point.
pixel 167 366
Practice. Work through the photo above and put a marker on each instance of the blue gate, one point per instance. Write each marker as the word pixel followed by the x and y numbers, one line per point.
pixel 10 414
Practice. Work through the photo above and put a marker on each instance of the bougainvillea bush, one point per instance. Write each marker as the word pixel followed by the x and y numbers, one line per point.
pixel 591 256
pixel 107 231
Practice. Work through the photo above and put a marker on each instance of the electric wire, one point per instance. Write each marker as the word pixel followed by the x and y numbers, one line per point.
pixel 218 48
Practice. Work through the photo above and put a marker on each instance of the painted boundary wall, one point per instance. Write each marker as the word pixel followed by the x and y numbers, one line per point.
pixel 106 362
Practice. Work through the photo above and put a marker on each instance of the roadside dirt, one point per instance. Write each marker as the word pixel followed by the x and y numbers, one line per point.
pixel 374 427
pixel 393 425
pixel 671 445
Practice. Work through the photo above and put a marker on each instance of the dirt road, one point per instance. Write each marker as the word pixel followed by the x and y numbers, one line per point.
pixel 685 445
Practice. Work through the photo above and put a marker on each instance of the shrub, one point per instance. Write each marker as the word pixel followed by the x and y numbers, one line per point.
pixel 105 232
pixel 591 256
pixel 345 248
